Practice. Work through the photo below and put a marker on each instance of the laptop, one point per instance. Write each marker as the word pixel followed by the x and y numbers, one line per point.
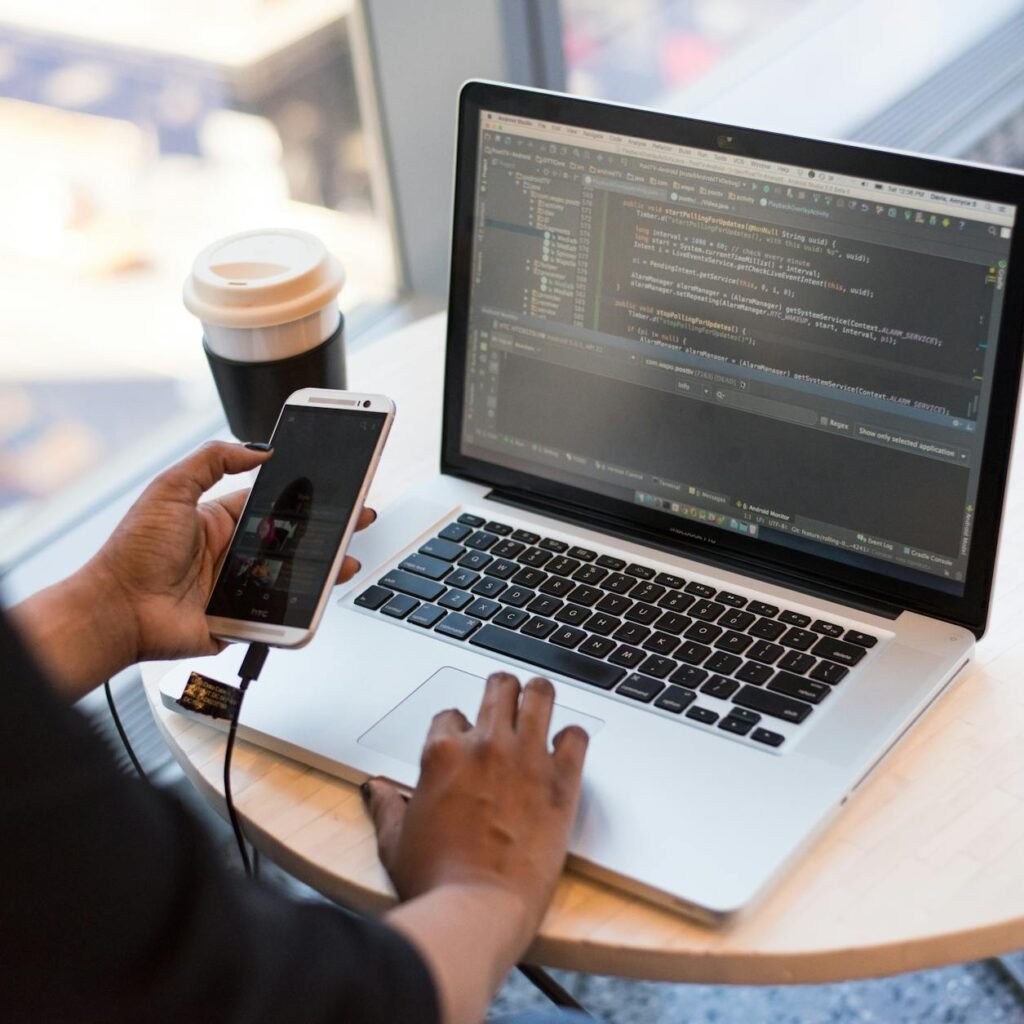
pixel 727 422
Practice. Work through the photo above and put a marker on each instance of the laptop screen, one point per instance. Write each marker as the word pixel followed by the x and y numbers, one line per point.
pixel 797 356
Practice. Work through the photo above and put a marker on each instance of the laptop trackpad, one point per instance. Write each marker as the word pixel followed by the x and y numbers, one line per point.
pixel 401 732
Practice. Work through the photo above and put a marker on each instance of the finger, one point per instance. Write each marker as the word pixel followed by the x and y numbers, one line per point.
pixel 450 722
pixel 349 567
pixel 366 518
pixel 534 717
pixel 234 502
pixel 198 472
pixel 499 704
pixel 570 749
pixel 387 810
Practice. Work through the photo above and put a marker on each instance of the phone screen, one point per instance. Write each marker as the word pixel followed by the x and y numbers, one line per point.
pixel 295 518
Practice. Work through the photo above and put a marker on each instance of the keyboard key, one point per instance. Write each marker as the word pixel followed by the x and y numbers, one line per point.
pixel 499 528
pixel 455 532
pixel 765 652
pixel 732 600
pixel 585 595
pixel 602 623
pixel 689 675
pixel 704 715
pixel 462 579
pixel 795 661
pixel 550 544
pixel 471 520
pixel 760 608
pixel 617 583
pixel 700 589
pixel 510 618
pixel 614 604
pixel 798 639
pixel 631 633
pixel 721 687
pixel 424 565
pixel 834 650
pixel 829 672
pixel 597 646
pixel 723 663
pixel 767 737
pixel 735 619
pixel 573 615
pixel 645 591
pixel 704 632
pixel 736 725
pixel 539 628
pixel 531 578
pixel 795 619
pixel 641 572
pixel 657 666
pixel 628 657
pixel 559 586
pixel 456 600
pixel 583 554
pixel 861 639
pixel 546 656
pixel 414 586
pixel 545 604
pixel 673 622
pixel 734 643
pixel 773 704
pixel 373 597
pixel 427 615
pixel 568 636
pixel 475 560
pixel 507 549
pixel 796 686
pixel 481 540
pixel 753 672
pixel 517 596
pixel 644 613
pixel 458 626
pixel 674 601
pixel 708 611
pixel 525 536
pixel 535 558
pixel 399 606
pixel 675 699
pixel 609 562
pixel 502 568
pixel 639 688
pixel 661 643
pixel 767 629
pixel 481 608
pixel 562 565
pixel 664 579
pixel 828 628
pixel 444 549
pixel 489 587
pixel 692 653
pixel 591 574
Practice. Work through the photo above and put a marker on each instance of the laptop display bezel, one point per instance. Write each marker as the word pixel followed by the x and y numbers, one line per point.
pixel 704 542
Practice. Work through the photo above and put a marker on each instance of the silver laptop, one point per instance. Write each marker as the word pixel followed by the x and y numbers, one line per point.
pixel 727 425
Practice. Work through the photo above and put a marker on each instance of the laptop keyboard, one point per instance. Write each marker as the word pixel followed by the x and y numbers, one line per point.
pixel 627 628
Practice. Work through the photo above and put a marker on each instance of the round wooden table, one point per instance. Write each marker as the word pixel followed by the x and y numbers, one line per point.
pixel 924 868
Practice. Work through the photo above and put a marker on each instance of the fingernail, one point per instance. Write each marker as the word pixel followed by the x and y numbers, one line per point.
pixel 364 792
pixel 258 446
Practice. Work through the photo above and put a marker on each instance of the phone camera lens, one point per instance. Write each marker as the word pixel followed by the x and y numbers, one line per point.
pixel 366 404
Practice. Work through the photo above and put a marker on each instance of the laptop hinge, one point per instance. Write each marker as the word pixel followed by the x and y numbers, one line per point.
pixel 625 529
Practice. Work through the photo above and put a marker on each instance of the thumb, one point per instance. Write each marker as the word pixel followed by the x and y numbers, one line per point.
pixel 386 805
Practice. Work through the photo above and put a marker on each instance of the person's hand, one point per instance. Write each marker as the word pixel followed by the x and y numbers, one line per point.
pixel 162 559
pixel 493 807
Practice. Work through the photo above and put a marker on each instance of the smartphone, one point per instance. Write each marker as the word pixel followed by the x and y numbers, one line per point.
pixel 291 537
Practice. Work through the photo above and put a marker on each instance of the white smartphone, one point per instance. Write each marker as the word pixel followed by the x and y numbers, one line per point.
pixel 290 540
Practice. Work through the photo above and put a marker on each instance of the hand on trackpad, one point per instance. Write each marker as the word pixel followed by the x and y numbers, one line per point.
pixel 401 732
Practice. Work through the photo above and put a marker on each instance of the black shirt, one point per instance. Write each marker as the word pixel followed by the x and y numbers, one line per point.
pixel 114 905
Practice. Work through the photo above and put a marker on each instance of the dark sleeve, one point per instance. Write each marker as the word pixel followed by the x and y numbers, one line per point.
pixel 114 906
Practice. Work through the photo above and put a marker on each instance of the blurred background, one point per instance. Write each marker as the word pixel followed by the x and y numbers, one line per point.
pixel 135 133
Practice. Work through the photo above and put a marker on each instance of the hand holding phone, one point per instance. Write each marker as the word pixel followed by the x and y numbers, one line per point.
pixel 291 537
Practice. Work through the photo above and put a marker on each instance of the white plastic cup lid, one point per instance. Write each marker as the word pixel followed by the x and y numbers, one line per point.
pixel 262 278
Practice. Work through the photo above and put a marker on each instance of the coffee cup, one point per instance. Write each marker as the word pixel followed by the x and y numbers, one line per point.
pixel 267 302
